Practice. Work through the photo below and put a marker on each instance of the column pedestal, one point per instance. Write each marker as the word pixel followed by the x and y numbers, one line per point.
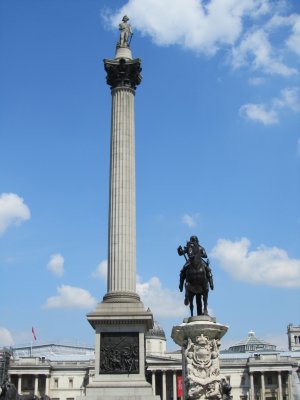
pixel 199 338
pixel 120 352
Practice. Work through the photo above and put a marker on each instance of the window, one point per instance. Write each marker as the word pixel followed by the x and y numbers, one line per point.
pixel 269 380
pixel 243 380
pixel 55 383
pixel 70 383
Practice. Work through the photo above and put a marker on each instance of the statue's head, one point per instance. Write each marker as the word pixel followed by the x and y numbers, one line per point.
pixel 125 18
pixel 194 239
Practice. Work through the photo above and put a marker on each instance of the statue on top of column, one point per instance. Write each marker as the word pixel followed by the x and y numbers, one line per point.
pixel 125 33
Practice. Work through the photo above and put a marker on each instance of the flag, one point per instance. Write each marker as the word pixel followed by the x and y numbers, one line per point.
pixel 33 333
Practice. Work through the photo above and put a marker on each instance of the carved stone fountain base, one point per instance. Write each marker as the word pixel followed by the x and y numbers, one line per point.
pixel 199 338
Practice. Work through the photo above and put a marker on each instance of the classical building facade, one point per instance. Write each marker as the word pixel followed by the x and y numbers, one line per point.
pixel 255 369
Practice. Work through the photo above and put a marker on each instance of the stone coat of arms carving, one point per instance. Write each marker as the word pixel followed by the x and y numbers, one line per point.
pixel 202 375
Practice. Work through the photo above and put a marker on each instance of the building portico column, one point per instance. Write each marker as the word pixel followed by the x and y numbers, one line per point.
pixel 153 382
pixel 290 386
pixel 164 388
pixel 19 384
pixel 251 386
pixel 279 385
pixel 36 385
pixel 47 385
pixel 262 378
pixel 174 386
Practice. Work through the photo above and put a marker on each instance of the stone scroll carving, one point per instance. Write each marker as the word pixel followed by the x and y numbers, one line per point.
pixel 119 353
pixel 202 375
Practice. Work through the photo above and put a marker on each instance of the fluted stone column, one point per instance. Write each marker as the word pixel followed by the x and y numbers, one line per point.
pixel 123 75
pixel 121 320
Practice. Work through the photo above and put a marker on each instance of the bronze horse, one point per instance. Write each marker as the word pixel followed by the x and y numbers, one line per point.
pixel 197 277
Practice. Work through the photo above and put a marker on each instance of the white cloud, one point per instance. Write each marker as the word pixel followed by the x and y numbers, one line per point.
pixel 256 50
pixel 13 211
pixel 269 114
pixel 293 22
pixel 6 338
pixel 293 41
pixel 289 99
pixel 265 265
pixel 259 113
pixel 201 26
pixel 101 270
pixel 56 264
pixel 163 302
pixel 190 220
pixel 71 297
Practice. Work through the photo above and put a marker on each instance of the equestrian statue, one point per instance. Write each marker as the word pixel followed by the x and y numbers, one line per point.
pixel 196 274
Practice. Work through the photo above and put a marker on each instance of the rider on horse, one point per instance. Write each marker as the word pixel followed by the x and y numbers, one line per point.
pixel 194 241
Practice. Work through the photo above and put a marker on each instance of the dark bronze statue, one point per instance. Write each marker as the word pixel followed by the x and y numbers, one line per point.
pixel 8 391
pixel 196 274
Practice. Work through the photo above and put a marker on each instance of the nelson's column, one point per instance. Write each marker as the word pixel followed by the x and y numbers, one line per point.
pixel 120 320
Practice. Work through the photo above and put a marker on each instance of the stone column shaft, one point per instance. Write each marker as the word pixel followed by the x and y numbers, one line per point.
pixel 36 385
pixel 164 387
pixel 122 229
pixel 47 385
pixel 251 386
pixel 279 385
pixel 262 377
pixel 174 386
pixel 20 384
pixel 290 386
pixel 154 382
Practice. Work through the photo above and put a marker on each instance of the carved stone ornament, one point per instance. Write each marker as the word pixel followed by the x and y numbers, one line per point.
pixel 202 375
pixel 119 353
pixel 121 72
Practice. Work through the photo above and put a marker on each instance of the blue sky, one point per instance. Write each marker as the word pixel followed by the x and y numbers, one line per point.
pixel 217 155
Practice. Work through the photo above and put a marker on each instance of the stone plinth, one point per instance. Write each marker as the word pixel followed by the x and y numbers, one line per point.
pixel 199 338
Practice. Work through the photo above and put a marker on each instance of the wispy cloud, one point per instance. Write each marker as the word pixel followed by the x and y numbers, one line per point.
pixel 71 297
pixel 6 338
pixel 255 50
pixel 13 211
pixel 268 114
pixel 56 264
pixel 265 265
pixel 101 271
pixel 259 113
pixel 163 302
pixel 190 220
